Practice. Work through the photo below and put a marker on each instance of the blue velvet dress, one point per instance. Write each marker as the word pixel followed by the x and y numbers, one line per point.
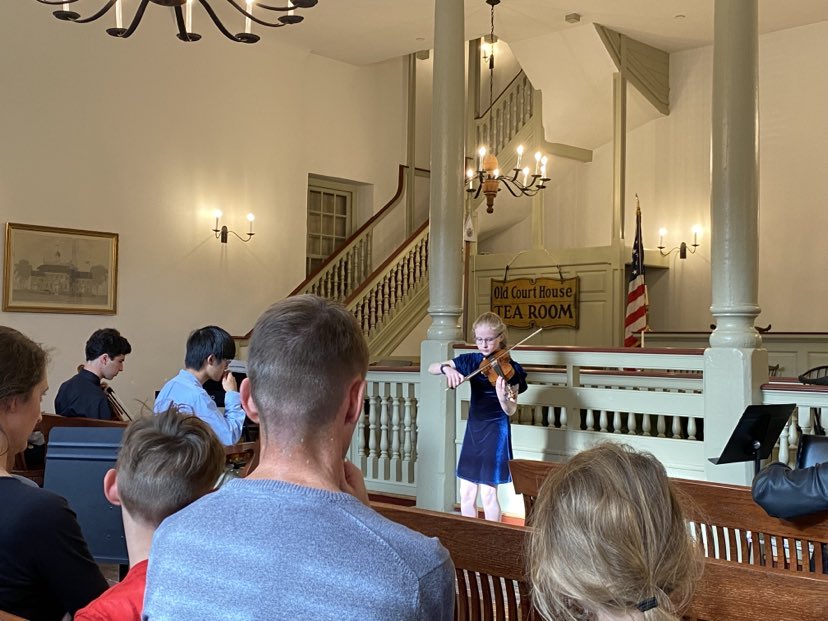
pixel 487 445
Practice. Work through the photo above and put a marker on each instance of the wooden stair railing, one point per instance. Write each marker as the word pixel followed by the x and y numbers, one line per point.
pixel 392 284
pixel 350 264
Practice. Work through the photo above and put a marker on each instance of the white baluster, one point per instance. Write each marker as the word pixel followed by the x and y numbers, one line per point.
pixel 661 426
pixel 616 422
pixel 373 419
pixel 408 461
pixel 603 421
pixel 396 462
pixel 590 419
pixel 632 424
pixel 384 443
pixel 691 428
pixel 676 427
pixel 646 425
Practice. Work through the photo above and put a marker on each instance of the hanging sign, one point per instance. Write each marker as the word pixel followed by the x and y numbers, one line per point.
pixel 541 302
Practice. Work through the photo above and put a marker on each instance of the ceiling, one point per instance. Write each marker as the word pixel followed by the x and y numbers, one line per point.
pixel 362 32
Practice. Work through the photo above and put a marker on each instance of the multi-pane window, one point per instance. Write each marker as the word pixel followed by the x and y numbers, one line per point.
pixel 329 222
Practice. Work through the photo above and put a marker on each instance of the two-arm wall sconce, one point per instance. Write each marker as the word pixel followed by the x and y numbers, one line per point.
pixel 682 248
pixel 222 232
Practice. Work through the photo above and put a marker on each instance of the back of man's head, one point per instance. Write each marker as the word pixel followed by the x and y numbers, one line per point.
pixel 107 341
pixel 304 353
pixel 166 462
pixel 208 341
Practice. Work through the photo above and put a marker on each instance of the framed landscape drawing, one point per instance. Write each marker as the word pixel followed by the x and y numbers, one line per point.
pixel 52 270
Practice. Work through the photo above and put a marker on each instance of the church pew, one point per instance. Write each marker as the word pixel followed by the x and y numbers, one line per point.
pixel 729 523
pixel 482 550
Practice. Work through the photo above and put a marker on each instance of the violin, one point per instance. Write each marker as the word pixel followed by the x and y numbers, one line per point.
pixel 499 364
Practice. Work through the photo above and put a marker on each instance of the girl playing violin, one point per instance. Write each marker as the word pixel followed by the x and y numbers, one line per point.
pixel 487 445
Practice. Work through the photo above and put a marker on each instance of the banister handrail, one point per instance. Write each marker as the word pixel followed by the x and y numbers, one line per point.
pixel 356 293
pixel 373 220
pixel 502 94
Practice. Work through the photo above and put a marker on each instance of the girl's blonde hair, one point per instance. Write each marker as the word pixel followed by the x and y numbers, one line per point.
pixel 495 323
pixel 610 540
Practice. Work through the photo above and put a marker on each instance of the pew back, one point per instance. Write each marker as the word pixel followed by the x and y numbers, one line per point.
pixel 492 581
pixel 488 561
pixel 729 525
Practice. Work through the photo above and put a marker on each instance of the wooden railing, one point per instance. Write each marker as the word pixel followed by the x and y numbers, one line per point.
pixel 404 273
pixel 347 268
pixel 650 399
pixel 508 115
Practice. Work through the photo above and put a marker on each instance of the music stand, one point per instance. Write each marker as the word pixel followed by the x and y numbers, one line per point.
pixel 755 435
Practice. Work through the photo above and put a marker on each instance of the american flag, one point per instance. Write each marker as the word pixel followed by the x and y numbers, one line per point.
pixel 636 318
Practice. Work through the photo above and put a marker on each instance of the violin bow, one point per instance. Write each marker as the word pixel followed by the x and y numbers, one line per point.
pixel 485 367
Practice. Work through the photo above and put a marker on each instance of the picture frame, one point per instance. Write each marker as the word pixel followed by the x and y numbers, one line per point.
pixel 57 270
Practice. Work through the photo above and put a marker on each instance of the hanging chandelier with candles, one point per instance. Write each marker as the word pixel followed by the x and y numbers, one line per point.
pixel 183 11
pixel 488 178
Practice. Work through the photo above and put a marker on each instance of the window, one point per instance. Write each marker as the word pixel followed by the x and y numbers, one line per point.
pixel 330 207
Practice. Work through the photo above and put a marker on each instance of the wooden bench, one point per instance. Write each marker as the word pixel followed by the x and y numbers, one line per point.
pixel 492 579
pixel 488 561
pixel 730 525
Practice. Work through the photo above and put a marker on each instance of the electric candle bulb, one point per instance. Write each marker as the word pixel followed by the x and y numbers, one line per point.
pixel 290 6
pixel 662 233
pixel 525 175
pixel 119 18
pixel 188 16
pixel 481 153
pixel 520 155
pixel 470 175
pixel 537 161
pixel 247 21
pixel 217 214
pixel 543 167
pixel 696 230
pixel 250 218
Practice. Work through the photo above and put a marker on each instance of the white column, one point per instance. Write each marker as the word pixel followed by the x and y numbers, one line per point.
pixel 435 440
pixel 735 366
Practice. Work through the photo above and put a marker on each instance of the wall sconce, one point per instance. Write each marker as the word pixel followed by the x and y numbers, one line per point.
pixel 682 248
pixel 222 232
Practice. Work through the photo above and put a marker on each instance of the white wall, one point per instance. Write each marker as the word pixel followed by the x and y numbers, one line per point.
pixel 145 137
pixel 668 166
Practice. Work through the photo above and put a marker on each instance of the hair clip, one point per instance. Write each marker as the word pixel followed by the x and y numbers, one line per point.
pixel 647 604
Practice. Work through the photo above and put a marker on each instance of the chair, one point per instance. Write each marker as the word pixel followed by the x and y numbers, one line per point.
pixel 817 375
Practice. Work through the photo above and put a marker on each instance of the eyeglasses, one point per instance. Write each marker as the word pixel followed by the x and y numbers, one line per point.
pixel 478 339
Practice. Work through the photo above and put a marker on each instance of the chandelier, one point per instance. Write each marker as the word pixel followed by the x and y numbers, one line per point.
pixel 488 178
pixel 183 10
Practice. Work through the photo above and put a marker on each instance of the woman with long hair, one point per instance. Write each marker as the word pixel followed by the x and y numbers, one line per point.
pixel 46 570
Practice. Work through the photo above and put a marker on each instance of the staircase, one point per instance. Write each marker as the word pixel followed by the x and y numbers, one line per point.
pixel 389 296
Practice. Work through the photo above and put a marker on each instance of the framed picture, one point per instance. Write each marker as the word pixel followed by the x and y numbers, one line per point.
pixel 52 270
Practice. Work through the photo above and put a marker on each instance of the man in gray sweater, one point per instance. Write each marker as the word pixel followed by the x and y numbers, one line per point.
pixel 296 539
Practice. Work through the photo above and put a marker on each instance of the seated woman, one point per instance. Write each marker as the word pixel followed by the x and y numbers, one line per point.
pixel 46 570
pixel 610 541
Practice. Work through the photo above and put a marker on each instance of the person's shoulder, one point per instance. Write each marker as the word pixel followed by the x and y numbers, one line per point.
pixel 421 553
pixel 40 509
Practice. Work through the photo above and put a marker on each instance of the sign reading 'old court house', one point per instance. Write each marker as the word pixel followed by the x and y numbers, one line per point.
pixel 543 303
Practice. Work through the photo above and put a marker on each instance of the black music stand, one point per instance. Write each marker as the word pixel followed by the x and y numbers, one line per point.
pixel 755 435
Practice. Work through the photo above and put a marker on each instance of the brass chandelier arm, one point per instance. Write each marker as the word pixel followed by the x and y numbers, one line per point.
pixel 183 34
pixel 139 13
